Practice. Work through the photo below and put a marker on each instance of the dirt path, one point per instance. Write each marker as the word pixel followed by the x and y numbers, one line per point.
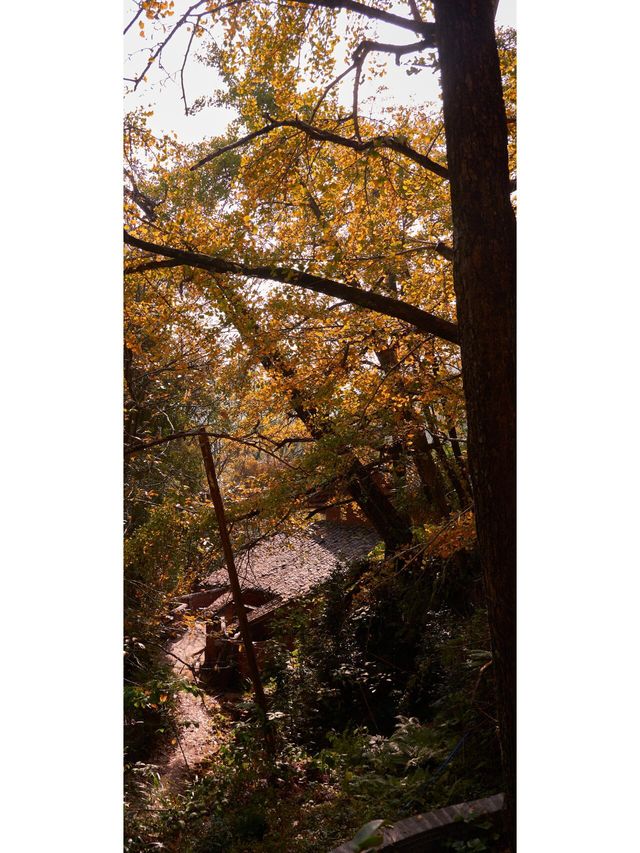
pixel 199 740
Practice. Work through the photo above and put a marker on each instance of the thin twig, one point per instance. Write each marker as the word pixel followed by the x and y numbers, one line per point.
pixel 190 433
pixel 429 545
pixel 179 740
pixel 327 89
pixel 184 62
pixel 190 667
pixel 132 21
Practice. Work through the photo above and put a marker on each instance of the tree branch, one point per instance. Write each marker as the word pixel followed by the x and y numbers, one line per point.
pixel 328 88
pixel 415 11
pixel 359 56
pixel 391 142
pixel 425 29
pixel 133 20
pixel 398 50
pixel 154 55
pixel 151 265
pixel 444 250
pixel 184 62
pixel 421 320
pixel 359 62
pixel 146 204
pixel 191 433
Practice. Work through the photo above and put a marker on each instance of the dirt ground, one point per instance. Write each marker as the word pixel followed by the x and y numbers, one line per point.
pixel 199 740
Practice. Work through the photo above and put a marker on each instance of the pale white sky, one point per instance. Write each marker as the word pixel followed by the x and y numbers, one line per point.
pixel 163 95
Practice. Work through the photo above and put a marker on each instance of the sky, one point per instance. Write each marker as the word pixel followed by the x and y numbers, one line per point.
pixel 162 94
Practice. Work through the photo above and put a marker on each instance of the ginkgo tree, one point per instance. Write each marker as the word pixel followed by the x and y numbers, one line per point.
pixel 309 216
pixel 376 374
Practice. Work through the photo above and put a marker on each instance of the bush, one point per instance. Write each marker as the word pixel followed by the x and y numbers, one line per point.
pixel 375 644
pixel 381 698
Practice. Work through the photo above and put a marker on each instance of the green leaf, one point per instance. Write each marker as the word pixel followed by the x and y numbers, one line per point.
pixel 368 836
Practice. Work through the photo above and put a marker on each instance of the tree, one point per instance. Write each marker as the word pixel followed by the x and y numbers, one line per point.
pixel 484 270
pixel 343 341
pixel 285 119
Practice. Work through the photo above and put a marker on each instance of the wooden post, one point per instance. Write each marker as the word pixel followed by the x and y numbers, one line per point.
pixel 243 622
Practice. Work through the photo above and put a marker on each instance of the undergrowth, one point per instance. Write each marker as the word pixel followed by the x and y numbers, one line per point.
pixel 381 706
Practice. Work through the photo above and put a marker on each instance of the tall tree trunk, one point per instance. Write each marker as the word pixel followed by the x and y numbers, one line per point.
pixel 430 477
pixel 455 446
pixel 431 480
pixel 393 526
pixel 460 466
pixel 448 466
pixel 484 269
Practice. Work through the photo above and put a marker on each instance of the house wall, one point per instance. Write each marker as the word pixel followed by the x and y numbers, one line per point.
pixel 348 514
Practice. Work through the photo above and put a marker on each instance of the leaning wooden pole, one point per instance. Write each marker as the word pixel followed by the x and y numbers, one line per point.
pixel 243 622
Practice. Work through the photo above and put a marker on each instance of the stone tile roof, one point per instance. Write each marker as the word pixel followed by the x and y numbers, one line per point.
pixel 290 566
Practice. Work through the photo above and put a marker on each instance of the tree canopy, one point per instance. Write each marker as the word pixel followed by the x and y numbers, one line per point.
pixel 295 286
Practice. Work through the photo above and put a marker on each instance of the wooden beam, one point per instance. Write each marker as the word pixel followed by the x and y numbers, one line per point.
pixel 234 581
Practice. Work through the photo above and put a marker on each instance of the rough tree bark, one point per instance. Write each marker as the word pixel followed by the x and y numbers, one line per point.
pixel 393 526
pixel 484 269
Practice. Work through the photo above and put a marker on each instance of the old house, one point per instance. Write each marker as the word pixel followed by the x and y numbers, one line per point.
pixel 273 574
